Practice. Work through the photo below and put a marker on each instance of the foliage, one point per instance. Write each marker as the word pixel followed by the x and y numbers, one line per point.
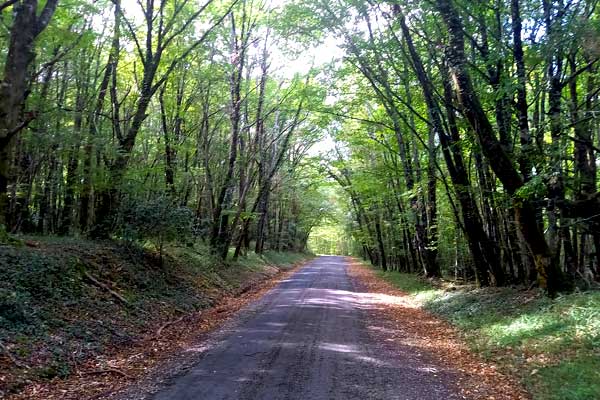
pixel 112 128
pixel 157 220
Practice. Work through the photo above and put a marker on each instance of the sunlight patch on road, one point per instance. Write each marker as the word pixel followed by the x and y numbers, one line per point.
pixel 340 348
pixel 198 349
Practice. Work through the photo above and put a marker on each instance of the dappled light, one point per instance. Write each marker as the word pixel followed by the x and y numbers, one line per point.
pixel 412 329
pixel 548 340
pixel 304 339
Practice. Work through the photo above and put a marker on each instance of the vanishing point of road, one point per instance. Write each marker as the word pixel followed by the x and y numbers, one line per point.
pixel 312 337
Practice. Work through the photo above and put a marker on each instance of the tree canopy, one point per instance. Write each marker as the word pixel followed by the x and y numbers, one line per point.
pixel 462 135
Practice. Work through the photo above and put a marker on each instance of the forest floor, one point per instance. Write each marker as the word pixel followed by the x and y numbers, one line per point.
pixel 79 319
pixel 89 320
pixel 413 327
pixel 551 346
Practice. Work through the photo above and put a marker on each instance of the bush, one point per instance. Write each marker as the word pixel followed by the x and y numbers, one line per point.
pixel 13 308
pixel 157 220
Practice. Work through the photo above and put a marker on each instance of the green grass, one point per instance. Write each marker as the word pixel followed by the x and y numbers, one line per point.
pixel 274 258
pixel 553 346
pixel 285 259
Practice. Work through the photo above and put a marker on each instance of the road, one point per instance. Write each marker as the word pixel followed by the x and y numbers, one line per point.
pixel 310 338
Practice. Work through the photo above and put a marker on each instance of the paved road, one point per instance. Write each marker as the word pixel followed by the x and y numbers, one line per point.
pixel 310 338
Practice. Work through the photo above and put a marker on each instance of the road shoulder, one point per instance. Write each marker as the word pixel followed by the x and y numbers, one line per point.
pixel 427 335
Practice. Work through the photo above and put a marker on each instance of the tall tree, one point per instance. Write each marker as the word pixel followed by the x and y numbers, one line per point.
pixel 26 26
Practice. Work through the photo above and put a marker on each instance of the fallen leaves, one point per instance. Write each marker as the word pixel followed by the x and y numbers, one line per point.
pixel 119 367
pixel 428 334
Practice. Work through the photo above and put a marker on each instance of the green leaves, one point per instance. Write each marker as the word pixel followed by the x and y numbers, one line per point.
pixel 534 189
pixel 157 220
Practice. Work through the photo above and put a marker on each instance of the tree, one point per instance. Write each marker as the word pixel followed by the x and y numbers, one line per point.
pixel 26 27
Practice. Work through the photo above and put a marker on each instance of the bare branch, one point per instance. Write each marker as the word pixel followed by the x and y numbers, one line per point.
pixel 117 4
pixel 581 70
pixel 44 18
pixel 7 4
pixel 187 23
pixel 9 135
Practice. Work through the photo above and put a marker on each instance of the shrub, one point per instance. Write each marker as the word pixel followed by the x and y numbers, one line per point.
pixel 157 220
pixel 13 308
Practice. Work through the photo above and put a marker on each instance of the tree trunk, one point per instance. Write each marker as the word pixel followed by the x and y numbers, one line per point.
pixel 483 251
pixel 27 25
pixel 550 275
pixel 525 163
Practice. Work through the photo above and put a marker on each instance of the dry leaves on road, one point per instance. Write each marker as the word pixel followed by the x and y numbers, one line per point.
pixel 418 328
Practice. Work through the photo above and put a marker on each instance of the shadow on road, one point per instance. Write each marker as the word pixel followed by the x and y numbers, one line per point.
pixel 311 337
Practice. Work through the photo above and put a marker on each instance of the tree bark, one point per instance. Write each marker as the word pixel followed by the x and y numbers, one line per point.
pixel 26 27
pixel 484 253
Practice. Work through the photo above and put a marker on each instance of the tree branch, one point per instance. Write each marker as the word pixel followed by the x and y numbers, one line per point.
pixel 117 4
pixel 191 48
pixel 44 19
pixel 7 4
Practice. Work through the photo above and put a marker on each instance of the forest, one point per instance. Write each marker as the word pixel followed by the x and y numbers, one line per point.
pixel 154 121
pixel 465 135
pixel 470 138
pixel 447 139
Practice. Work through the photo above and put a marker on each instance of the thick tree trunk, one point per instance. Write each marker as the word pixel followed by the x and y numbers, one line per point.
pixel 27 25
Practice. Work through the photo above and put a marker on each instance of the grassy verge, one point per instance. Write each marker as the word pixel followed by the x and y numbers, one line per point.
pixel 553 346
pixel 63 301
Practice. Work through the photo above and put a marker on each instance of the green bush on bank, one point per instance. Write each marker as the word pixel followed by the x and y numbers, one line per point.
pixel 157 221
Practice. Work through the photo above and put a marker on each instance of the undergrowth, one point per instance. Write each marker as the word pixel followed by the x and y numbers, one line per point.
pixel 63 300
pixel 552 345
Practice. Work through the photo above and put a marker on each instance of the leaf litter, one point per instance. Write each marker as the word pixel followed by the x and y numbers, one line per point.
pixel 105 375
pixel 416 327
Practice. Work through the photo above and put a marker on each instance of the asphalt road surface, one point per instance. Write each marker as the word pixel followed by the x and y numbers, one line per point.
pixel 311 338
